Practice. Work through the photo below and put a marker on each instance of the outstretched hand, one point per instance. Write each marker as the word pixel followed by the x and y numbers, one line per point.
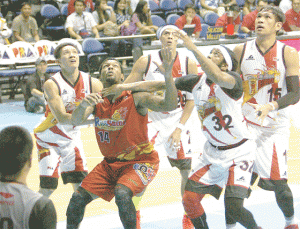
pixel 115 90
pixel 92 100
pixel 261 111
pixel 187 41
pixel 168 60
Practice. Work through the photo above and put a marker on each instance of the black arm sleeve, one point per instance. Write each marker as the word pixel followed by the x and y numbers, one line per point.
pixel 187 83
pixel 237 91
pixel 292 97
pixel 43 215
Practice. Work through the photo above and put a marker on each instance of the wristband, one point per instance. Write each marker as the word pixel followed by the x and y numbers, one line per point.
pixel 273 106
pixel 180 126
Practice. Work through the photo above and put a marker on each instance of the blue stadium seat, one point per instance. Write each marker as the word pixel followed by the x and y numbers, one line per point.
pixel 94 53
pixel 64 10
pixel 169 7
pixel 50 12
pixel 204 30
pixel 182 3
pixel 158 21
pixel 201 19
pixel 154 7
pixel 211 18
pixel 171 19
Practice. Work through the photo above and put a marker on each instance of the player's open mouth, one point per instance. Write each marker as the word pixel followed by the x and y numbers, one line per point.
pixel 259 27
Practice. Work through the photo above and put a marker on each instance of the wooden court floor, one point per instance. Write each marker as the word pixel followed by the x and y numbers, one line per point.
pixel 164 189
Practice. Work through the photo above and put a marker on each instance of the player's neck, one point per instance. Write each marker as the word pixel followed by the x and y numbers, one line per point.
pixel 265 42
pixel 71 75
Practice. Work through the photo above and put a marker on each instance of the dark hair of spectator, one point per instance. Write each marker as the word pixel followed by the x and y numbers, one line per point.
pixel 107 59
pixel 189 6
pixel 276 11
pixel 57 51
pixel 116 7
pixel 15 150
pixel 24 4
pixel 79 1
pixel 139 11
pixel 234 7
pixel 104 13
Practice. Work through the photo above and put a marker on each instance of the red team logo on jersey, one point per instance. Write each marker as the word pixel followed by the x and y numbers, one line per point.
pixel 209 107
pixel 254 82
pixel 116 122
pixel 6 195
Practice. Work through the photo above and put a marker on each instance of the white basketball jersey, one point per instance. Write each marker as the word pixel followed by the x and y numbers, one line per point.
pixel 221 116
pixel 71 97
pixel 16 203
pixel 263 82
pixel 180 68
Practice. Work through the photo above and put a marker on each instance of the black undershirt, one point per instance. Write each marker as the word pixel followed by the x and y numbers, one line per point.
pixel 43 215
pixel 187 83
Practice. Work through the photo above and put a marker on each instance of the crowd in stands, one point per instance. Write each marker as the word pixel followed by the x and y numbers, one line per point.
pixel 25 21
pixel 81 19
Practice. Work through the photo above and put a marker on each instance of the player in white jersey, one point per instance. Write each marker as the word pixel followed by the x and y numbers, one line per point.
pixel 270 73
pixel 168 129
pixel 20 207
pixel 228 155
pixel 58 140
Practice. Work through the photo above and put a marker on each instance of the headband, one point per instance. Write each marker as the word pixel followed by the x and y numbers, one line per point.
pixel 226 56
pixel 162 29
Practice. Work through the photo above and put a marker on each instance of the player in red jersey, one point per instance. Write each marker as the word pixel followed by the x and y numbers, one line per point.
pixel 130 161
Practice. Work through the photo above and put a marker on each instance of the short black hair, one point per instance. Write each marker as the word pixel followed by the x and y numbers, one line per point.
pixel 107 59
pixel 276 11
pixel 189 6
pixel 57 50
pixel 234 7
pixel 15 150
pixel 79 1
pixel 24 4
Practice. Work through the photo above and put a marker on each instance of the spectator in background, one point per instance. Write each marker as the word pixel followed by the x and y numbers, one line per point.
pixel 88 4
pixel 189 18
pixel 292 17
pixel 217 6
pixel 34 93
pixel 248 24
pixel 223 20
pixel 105 18
pixel 123 13
pixel 141 19
pixel 5 32
pixel 29 209
pixel 249 6
pixel 81 24
pixel 24 26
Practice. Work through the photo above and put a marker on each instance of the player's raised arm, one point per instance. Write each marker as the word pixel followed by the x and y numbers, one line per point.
pixel 158 103
pixel 211 69
pixel 85 108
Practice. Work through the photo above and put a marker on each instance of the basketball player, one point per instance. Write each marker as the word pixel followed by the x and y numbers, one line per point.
pixel 58 141
pixel 228 155
pixel 165 127
pixel 130 161
pixel 20 207
pixel 270 73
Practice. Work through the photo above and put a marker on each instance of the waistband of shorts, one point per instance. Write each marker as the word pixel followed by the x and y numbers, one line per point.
pixel 113 160
pixel 230 146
